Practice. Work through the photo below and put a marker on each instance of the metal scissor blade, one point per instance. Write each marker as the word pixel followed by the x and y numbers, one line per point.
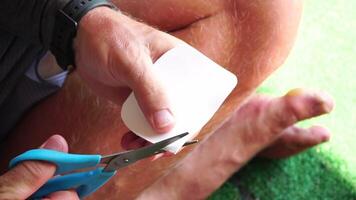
pixel 185 144
pixel 124 159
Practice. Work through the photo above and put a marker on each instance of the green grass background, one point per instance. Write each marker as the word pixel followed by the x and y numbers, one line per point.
pixel 324 57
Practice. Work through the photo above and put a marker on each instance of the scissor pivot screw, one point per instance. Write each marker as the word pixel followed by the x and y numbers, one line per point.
pixel 126 160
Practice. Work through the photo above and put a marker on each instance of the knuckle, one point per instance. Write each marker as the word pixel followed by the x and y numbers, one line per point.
pixel 34 171
pixel 282 117
pixel 238 158
pixel 135 54
pixel 20 182
pixel 5 191
pixel 112 66
pixel 128 63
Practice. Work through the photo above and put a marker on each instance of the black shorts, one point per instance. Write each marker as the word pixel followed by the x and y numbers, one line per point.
pixel 29 90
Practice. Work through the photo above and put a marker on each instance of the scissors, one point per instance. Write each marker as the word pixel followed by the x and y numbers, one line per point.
pixel 87 181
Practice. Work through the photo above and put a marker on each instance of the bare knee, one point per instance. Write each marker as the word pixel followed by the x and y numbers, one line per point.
pixel 268 24
pixel 265 32
pixel 169 15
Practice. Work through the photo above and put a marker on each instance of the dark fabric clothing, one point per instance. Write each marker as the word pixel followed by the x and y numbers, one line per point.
pixel 32 20
pixel 25 34
pixel 26 93
pixel 16 56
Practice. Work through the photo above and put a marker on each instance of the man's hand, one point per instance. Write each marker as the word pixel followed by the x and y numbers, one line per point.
pixel 26 178
pixel 114 52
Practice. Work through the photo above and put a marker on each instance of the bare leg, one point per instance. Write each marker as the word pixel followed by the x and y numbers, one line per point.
pixel 250 38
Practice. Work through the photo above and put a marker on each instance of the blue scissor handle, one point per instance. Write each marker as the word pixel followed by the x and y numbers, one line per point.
pixel 83 182
pixel 65 162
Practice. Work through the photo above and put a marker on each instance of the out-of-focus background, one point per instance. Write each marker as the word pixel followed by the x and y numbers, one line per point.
pixel 324 57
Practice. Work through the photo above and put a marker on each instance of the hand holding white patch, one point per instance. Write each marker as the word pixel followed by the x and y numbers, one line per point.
pixel 196 88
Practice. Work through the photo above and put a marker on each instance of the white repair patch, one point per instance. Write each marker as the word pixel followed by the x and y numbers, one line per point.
pixel 196 87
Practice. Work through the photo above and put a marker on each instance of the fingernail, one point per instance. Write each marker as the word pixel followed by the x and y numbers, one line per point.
pixel 162 119
pixel 54 143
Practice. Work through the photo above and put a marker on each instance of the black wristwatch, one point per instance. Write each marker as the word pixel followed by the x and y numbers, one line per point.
pixel 65 29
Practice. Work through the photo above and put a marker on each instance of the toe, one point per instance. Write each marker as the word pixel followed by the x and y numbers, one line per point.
pixel 294 140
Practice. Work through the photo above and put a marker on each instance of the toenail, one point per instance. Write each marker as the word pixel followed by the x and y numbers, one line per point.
pixel 295 92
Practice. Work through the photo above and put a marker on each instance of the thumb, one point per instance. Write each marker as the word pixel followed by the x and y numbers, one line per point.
pixel 151 97
pixel 27 177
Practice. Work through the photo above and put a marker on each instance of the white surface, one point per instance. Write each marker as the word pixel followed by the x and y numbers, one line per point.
pixel 57 79
pixel 196 87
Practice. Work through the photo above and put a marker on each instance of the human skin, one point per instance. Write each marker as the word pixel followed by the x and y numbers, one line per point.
pixel 271 120
pixel 256 125
pixel 25 178
pixel 250 38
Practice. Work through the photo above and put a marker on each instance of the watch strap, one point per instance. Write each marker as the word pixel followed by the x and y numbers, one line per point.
pixel 65 28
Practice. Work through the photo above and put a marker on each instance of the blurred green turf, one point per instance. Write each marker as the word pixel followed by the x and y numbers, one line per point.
pixel 227 191
pixel 324 57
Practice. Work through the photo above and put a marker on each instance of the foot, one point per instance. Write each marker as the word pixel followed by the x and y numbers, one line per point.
pixel 264 125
